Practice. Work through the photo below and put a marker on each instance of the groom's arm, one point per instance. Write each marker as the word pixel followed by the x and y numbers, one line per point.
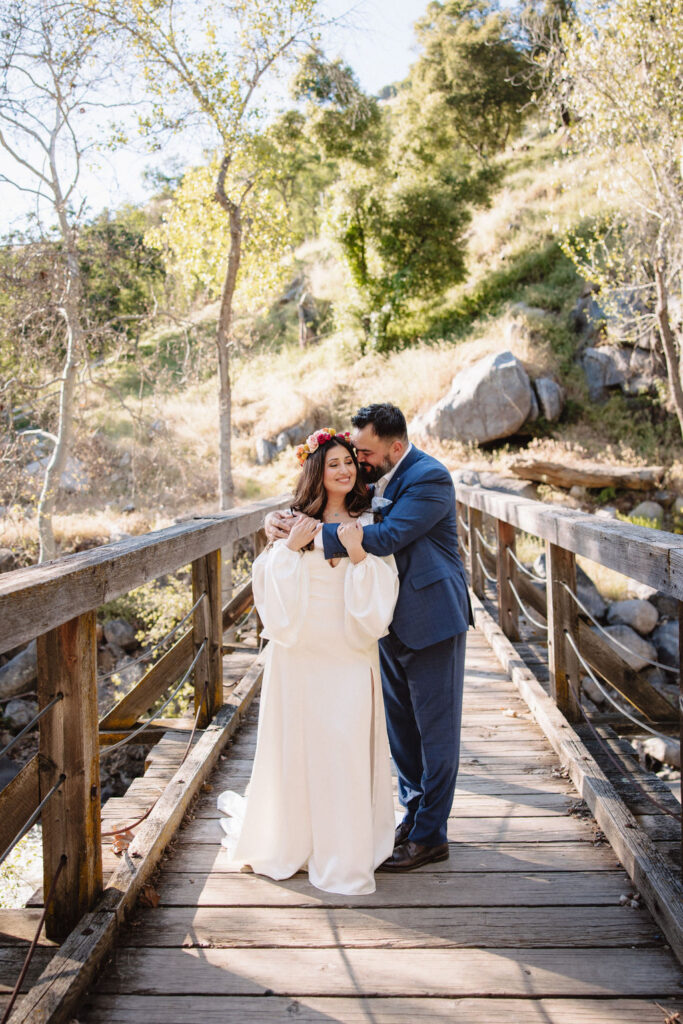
pixel 419 507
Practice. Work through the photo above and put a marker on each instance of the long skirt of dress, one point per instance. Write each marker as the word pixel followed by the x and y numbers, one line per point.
pixel 320 792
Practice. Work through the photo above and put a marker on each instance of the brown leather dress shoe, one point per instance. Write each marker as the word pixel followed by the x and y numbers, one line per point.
pixel 402 832
pixel 410 855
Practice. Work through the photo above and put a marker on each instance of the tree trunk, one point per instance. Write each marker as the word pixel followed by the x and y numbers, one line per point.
pixel 223 341
pixel 70 312
pixel 673 362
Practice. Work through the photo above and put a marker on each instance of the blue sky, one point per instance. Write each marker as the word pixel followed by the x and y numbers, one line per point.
pixel 374 36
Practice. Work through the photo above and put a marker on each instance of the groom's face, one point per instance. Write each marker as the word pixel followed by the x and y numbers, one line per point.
pixel 374 454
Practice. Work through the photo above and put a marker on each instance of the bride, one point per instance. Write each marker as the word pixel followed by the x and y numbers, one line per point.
pixel 320 792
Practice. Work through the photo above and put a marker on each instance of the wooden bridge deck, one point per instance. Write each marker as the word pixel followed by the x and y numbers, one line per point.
pixel 523 923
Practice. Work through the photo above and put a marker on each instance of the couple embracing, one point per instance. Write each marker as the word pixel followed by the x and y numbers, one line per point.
pixel 363 597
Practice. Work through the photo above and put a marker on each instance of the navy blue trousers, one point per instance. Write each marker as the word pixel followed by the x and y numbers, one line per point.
pixel 423 701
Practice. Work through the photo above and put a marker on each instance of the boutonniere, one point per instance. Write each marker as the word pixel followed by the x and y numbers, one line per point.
pixel 379 508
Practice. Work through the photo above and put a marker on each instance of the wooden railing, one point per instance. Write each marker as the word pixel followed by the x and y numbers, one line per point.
pixel 488 524
pixel 57 602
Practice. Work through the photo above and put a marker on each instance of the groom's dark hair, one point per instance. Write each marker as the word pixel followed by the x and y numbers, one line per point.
pixel 386 420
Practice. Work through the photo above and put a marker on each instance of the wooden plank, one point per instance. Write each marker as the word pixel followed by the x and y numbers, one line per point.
pixel 18 801
pixel 17 927
pixel 508 609
pixel 67 663
pixel 589 474
pixel 179 1009
pixel 40 597
pixel 651 874
pixel 607 661
pixel 649 556
pixel 543 805
pixel 11 962
pixel 485 830
pixel 425 888
pixel 565 674
pixel 434 972
pixel 60 987
pixel 465 857
pixel 393 928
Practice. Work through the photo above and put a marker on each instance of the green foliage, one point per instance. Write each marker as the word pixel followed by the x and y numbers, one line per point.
pixel 120 272
pixel 470 81
pixel 343 121
pixel 605 495
pixel 154 608
pixel 652 524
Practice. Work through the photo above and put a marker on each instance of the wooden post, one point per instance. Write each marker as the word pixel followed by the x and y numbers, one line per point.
pixel 69 745
pixel 562 618
pixel 508 609
pixel 260 542
pixel 476 522
pixel 208 625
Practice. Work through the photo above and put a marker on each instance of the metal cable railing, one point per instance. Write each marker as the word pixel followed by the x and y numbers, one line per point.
pixel 146 725
pixel 121 832
pixel 152 650
pixel 29 725
pixel 32 948
pixel 524 568
pixel 464 524
pixel 33 818
pixel 491 548
pixel 524 609
pixel 586 667
pixel 612 639
pixel 487 574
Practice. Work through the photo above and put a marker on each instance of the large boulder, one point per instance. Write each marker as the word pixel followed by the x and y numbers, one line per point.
pixel 19 713
pixel 648 510
pixel 639 650
pixel 550 398
pixel 665 638
pixel 121 633
pixel 265 451
pixel 74 479
pixel 488 400
pixel 638 614
pixel 604 367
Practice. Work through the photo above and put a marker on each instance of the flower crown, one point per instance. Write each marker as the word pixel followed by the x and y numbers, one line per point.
pixel 314 441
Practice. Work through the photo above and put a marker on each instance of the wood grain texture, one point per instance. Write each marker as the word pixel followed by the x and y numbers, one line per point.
pixel 40 597
pixel 136 1009
pixel 67 663
pixel 653 557
pixel 563 664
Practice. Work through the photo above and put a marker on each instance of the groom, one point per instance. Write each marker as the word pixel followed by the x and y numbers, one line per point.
pixel 423 657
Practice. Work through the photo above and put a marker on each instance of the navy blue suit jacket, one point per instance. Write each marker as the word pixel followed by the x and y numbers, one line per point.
pixel 419 528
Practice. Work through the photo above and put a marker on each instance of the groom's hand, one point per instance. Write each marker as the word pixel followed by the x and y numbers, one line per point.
pixel 278 525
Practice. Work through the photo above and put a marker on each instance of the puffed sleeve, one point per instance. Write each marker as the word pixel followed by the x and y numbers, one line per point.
pixel 280 583
pixel 370 593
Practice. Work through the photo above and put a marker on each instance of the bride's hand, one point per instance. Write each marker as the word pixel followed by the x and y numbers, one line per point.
pixel 351 536
pixel 303 532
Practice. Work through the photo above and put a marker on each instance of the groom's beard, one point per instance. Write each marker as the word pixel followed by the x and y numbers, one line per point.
pixel 371 474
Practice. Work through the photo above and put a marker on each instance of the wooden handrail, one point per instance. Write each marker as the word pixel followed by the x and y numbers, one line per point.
pixel 41 597
pixel 57 603
pixel 648 556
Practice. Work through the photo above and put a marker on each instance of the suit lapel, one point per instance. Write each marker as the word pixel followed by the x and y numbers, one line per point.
pixel 412 457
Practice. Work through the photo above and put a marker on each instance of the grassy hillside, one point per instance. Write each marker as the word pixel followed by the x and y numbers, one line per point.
pixel 152 442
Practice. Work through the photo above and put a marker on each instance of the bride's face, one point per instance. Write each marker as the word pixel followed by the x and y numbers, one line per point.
pixel 340 471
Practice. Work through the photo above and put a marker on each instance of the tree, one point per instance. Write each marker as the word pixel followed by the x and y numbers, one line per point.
pixel 622 77
pixel 53 70
pixel 205 67
pixel 470 77
pixel 400 207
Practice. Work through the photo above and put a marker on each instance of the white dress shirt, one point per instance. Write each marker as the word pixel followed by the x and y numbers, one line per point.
pixel 383 481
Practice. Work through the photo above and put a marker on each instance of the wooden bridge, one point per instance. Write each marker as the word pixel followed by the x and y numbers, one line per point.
pixel 561 900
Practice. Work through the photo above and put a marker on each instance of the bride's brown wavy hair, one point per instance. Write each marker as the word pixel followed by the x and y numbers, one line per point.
pixel 310 496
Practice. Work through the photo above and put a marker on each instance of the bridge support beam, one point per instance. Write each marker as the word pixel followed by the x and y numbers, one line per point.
pixel 562 619
pixel 208 626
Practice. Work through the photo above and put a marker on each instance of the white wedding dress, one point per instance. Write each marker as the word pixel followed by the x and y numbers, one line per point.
pixel 320 792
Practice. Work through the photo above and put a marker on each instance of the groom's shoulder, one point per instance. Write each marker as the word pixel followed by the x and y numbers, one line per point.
pixel 427 467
